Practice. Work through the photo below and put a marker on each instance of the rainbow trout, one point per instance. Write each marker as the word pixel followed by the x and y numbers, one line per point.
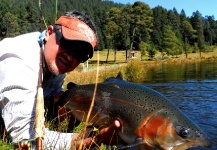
pixel 147 117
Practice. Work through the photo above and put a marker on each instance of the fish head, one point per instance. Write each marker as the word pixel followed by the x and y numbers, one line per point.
pixel 160 131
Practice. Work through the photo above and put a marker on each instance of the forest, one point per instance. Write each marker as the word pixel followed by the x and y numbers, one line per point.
pixel 119 26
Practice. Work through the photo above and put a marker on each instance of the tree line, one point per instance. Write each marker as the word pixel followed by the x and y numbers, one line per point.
pixel 119 26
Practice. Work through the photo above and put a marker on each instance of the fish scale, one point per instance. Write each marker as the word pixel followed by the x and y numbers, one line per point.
pixel 145 114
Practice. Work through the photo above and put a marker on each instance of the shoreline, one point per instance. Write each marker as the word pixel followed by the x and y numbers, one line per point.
pixel 83 75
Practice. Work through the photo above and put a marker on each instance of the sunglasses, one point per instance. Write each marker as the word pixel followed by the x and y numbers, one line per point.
pixel 80 50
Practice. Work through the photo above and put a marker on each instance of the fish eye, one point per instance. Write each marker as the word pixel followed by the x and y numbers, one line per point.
pixel 184 133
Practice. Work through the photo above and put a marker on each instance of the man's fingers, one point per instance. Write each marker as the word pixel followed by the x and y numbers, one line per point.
pixel 111 129
pixel 117 124
pixel 106 136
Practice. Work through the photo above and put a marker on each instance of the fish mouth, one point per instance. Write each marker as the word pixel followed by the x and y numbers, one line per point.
pixel 184 144
pixel 189 143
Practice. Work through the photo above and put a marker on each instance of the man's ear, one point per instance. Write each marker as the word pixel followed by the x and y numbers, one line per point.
pixel 49 32
pixel 50 29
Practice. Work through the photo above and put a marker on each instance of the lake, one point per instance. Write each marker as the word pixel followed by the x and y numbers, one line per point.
pixel 193 88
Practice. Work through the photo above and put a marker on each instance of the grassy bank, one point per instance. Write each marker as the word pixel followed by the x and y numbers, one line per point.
pixel 132 70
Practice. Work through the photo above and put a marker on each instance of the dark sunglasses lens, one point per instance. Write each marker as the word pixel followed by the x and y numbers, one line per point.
pixel 81 51
pixel 67 45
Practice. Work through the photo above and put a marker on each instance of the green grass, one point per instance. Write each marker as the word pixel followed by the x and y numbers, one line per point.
pixel 5 145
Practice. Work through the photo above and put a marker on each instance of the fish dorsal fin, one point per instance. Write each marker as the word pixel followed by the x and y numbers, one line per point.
pixel 70 85
pixel 119 76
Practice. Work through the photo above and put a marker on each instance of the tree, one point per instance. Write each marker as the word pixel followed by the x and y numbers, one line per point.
pixel 210 27
pixel 142 21
pixel 151 51
pixel 188 33
pixel 208 33
pixel 143 47
pixel 174 22
pixel 136 22
pixel 33 17
pixel 20 12
pixel 159 23
pixel 113 29
pixel 11 25
pixel 182 15
pixel 171 44
pixel 4 8
pixel 126 17
pixel 197 24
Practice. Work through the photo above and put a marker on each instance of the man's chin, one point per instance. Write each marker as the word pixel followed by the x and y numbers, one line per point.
pixel 55 70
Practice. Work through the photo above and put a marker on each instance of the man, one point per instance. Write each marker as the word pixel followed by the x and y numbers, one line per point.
pixel 65 45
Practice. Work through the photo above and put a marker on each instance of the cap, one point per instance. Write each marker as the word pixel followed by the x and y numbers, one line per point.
pixel 75 29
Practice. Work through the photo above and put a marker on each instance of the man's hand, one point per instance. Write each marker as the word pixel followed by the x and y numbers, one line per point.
pixel 106 135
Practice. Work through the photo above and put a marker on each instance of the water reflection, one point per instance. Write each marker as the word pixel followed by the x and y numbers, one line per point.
pixel 192 87
pixel 182 71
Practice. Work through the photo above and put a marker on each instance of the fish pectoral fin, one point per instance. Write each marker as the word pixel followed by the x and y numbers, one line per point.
pixel 157 129
pixel 138 142
pixel 154 120
pixel 104 121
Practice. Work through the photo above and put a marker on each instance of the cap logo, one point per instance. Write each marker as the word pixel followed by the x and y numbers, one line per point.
pixel 87 31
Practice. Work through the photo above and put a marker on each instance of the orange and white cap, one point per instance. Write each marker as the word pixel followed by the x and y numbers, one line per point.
pixel 75 29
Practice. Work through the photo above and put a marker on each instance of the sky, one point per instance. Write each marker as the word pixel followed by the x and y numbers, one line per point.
pixel 205 7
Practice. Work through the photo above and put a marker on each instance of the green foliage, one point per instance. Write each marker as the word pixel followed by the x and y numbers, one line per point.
pixel 174 22
pixel 133 70
pixel 210 48
pixel 171 44
pixel 6 145
pixel 142 23
pixel 112 27
pixel 151 51
pixel 197 23
pixel 10 24
pixel 159 23
pixel 195 48
pixel 120 27
pixel 143 47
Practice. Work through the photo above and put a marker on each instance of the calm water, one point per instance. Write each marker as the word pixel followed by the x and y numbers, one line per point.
pixel 193 88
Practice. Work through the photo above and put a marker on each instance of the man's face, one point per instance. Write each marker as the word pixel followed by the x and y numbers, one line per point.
pixel 57 59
